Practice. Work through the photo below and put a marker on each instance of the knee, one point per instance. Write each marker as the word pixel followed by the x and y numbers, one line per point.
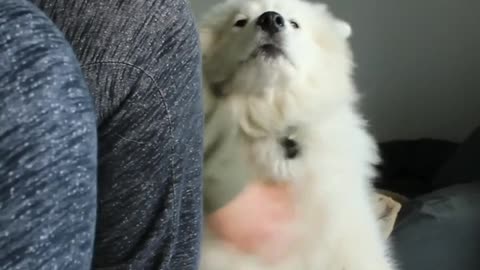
pixel 170 27
pixel 170 52
pixel 182 23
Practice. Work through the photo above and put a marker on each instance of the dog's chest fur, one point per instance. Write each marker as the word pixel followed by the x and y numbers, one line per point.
pixel 275 129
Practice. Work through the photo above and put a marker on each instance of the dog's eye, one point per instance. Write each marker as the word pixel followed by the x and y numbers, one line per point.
pixel 294 24
pixel 241 23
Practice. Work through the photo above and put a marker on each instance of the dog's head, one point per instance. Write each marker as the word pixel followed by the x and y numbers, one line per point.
pixel 250 46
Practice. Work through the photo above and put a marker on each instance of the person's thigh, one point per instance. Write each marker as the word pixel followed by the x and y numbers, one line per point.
pixel 142 63
pixel 48 150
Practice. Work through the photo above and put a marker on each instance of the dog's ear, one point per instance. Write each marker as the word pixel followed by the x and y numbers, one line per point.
pixel 207 39
pixel 344 28
pixel 321 7
pixel 341 27
pixel 210 27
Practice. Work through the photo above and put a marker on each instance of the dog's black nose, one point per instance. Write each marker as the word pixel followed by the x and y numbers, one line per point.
pixel 271 22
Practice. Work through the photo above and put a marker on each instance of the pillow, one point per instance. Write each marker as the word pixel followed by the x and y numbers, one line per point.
pixel 463 166
pixel 440 230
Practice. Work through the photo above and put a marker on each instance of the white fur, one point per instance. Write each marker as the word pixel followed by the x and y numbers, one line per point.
pixel 310 89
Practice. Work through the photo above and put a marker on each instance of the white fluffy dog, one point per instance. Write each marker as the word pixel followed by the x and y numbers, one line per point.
pixel 283 68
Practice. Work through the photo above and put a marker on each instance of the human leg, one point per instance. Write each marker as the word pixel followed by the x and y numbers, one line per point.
pixel 47 146
pixel 142 64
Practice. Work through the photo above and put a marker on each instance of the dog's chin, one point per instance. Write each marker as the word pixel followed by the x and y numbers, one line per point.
pixel 271 54
pixel 269 51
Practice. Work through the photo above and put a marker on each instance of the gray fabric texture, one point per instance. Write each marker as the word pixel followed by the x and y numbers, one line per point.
pixel 48 147
pixel 141 63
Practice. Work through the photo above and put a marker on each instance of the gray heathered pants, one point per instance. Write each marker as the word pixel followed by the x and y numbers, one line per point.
pixel 100 146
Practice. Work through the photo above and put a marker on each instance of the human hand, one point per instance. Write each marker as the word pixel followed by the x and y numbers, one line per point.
pixel 258 221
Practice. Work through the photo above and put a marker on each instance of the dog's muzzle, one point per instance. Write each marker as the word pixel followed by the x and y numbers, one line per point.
pixel 271 22
pixel 269 50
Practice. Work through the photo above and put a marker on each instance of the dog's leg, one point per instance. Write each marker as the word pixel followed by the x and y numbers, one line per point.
pixel 340 205
pixel 362 247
